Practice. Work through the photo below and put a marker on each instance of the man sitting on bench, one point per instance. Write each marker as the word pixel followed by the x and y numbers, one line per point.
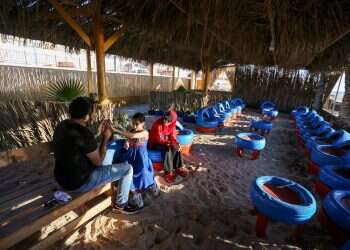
pixel 78 157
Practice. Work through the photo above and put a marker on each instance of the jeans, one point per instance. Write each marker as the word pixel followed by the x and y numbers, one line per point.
pixel 111 173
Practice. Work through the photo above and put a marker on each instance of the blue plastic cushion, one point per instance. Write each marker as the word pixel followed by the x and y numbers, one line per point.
pixel 256 142
pixel 336 209
pixel 330 176
pixel 278 209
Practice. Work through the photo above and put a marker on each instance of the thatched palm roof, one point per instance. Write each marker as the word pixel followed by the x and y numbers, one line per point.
pixel 188 33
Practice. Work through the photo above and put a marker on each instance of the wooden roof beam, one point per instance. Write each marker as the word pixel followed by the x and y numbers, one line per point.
pixel 71 22
pixel 114 38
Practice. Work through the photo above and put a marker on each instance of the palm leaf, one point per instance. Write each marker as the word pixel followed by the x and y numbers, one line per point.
pixel 65 90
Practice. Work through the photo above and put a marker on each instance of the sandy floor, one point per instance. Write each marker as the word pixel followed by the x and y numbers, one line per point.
pixel 211 209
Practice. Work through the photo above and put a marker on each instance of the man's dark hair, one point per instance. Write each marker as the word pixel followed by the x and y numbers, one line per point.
pixel 139 117
pixel 167 117
pixel 80 107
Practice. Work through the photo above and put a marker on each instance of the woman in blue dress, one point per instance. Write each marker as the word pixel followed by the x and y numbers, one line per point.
pixel 135 152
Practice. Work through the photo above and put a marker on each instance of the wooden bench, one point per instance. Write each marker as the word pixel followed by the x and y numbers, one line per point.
pixel 26 183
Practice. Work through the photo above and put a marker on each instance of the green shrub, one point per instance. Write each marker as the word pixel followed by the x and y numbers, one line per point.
pixel 65 90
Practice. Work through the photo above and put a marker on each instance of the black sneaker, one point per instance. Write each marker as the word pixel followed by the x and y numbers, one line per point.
pixel 127 209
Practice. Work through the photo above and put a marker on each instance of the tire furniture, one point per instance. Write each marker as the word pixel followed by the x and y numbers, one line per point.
pixel 333 177
pixel 233 110
pixel 301 110
pixel 222 110
pixel 334 216
pixel 328 155
pixel 249 143
pixel 185 138
pixel 220 117
pixel 280 199
pixel 267 105
pixel 239 104
pixel 268 110
pixel 205 124
pixel 157 159
pixel 335 138
pixel 263 127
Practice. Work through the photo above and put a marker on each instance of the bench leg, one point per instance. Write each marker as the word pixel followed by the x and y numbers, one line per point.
pixel 261 225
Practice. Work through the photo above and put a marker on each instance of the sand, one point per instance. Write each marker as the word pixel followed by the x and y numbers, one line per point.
pixel 211 208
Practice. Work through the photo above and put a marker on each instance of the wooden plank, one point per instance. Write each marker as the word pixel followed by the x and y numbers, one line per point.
pixel 75 224
pixel 71 22
pixel 14 233
pixel 28 196
pixel 28 189
pixel 32 153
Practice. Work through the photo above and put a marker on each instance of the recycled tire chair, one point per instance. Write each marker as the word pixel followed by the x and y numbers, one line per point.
pixel 334 215
pixel 222 110
pixel 270 114
pixel 189 118
pixel 333 177
pixel 336 138
pixel 319 129
pixel 283 200
pixel 263 127
pixel 157 159
pixel 220 117
pixel 323 155
pixel 301 110
pixel 113 149
pixel 346 246
pixel 233 110
pixel 250 142
pixel 185 138
pixel 238 102
pixel 327 133
pixel 267 105
pixel 205 124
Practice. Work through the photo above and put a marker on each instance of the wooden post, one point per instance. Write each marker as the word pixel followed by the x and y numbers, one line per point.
pixel 100 57
pixel 344 113
pixel 173 78
pixel 206 72
pixel 89 71
pixel 319 91
pixel 151 77
pixel 193 80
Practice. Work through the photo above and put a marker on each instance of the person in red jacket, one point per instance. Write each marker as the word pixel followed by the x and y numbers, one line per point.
pixel 163 137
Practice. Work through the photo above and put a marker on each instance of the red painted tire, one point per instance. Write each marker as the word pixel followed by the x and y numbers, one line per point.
pixel 206 130
pixel 186 149
pixel 321 188
pixel 313 168
pixel 239 152
pixel 255 155
pixel 158 166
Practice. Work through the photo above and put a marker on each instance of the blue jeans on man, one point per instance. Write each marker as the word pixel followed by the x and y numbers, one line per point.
pixel 121 172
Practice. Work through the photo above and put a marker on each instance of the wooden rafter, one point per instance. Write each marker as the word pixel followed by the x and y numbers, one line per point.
pixel 72 23
pixel 114 38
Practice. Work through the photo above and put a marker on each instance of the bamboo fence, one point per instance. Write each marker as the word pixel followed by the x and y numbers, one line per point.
pixel 25 123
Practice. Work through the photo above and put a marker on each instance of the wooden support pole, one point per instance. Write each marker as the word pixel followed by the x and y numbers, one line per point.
pixel 71 22
pixel 89 71
pixel 100 55
pixel 151 76
pixel 193 79
pixel 173 78
pixel 206 73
